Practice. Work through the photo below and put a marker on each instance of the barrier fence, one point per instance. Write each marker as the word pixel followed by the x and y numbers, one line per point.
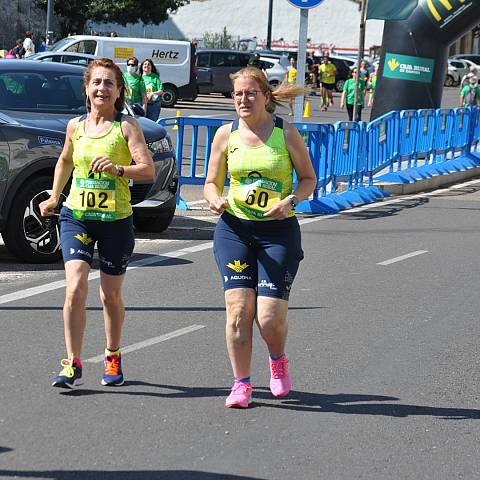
pixel 351 158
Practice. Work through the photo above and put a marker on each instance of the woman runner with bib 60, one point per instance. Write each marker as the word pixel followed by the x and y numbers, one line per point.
pixel 99 148
pixel 257 244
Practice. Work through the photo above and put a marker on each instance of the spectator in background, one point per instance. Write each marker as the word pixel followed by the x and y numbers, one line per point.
pixel 28 45
pixel 18 51
pixel 153 87
pixel 113 34
pixel 292 80
pixel 372 85
pixel 472 70
pixel 348 96
pixel 470 93
pixel 42 46
pixel 135 91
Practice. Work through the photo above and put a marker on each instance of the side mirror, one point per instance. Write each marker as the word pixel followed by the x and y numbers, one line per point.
pixel 138 110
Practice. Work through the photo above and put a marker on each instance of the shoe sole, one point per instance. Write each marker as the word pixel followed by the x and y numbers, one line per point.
pixel 64 385
pixel 107 384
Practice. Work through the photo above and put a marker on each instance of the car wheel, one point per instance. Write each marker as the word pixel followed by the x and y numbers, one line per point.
pixel 169 96
pixel 29 236
pixel 339 85
pixel 449 81
pixel 147 222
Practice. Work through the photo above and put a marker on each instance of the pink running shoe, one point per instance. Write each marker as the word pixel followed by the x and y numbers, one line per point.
pixel 280 381
pixel 240 396
pixel 331 104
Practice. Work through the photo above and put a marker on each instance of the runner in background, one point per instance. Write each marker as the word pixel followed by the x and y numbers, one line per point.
pixel 291 79
pixel 327 71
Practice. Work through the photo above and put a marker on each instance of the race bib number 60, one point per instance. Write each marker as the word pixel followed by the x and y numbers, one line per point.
pixel 257 195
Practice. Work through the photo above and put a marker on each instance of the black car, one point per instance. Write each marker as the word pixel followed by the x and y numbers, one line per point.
pixel 36 102
pixel 215 66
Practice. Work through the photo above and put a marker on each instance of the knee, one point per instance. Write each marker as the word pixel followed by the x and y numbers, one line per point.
pixel 110 297
pixel 239 318
pixel 76 295
pixel 271 325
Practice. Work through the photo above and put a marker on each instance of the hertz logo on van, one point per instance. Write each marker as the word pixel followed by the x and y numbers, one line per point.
pixel 444 11
pixel 166 55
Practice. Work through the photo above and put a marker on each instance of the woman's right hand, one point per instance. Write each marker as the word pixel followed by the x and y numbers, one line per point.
pixel 47 207
pixel 218 205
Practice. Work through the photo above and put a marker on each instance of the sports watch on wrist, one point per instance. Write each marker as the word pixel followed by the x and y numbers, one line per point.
pixel 120 171
pixel 293 200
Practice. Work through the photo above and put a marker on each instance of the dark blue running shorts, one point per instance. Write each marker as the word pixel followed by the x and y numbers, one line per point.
pixel 263 256
pixel 115 241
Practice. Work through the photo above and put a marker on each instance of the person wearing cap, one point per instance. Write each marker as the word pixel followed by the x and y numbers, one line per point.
pixel 470 93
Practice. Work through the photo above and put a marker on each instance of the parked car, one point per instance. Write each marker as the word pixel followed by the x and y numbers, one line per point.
pixel 37 99
pixel 214 67
pixel 455 72
pixel 72 58
pixel 275 72
pixel 473 57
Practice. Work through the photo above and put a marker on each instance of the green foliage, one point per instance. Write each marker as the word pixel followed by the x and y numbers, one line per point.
pixel 74 14
pixel 218 40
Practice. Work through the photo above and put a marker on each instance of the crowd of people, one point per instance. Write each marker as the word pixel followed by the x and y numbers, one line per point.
pixel 28 47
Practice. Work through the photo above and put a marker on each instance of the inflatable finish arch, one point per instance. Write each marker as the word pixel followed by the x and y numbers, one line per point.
pixel 414 54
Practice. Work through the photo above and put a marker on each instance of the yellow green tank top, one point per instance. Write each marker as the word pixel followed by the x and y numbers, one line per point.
pixel 99 196
pixel 259 176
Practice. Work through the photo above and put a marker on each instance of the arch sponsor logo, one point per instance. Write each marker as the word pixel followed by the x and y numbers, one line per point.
pixel 442 12
pixel 406 67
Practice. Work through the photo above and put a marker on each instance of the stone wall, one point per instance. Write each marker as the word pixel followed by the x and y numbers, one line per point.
pixel 18 16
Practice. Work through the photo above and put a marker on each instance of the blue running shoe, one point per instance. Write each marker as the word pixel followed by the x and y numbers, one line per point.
pixel 113 375
pixel 69 375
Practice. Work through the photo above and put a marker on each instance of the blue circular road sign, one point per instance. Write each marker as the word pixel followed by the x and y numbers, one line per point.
pixel 305 3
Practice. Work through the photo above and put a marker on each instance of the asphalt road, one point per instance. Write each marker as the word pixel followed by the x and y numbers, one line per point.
pixel 383 349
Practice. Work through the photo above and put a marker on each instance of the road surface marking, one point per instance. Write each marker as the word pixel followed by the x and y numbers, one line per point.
pixel 402 257
pixel 149 342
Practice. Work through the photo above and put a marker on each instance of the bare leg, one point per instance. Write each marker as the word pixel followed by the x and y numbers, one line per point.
pixel 113 308
pixel 272 322
pixel 74 316
pixel 240 303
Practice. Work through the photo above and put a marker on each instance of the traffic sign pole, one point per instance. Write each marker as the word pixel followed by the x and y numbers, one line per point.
pixel 303 5
pixel 301 61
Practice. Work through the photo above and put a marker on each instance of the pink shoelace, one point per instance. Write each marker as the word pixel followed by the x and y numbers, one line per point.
pixel 279 368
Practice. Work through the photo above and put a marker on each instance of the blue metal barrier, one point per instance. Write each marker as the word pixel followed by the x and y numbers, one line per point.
pixel 411 144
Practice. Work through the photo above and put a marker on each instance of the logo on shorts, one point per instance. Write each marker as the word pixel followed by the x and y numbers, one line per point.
pixel 84 238
pixel 237 266
pixel 270 285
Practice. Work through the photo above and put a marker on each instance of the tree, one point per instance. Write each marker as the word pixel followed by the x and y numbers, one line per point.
pixel 217 40
pixel 74 14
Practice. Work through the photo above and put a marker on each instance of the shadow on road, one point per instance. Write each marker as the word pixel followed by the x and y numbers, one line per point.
pixel 122 475
pixel 342 403
pixel 384 210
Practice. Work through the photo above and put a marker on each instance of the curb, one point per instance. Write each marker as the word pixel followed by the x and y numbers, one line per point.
pixel 429 183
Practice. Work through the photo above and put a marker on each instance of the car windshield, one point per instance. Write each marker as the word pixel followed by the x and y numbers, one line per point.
pixel 42 92
pixel 58 45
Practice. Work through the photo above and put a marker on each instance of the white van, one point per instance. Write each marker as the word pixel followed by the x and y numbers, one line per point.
pixel 175 60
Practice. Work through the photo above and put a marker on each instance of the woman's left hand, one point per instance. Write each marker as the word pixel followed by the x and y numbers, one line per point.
pixel 280 210
pixel 103 164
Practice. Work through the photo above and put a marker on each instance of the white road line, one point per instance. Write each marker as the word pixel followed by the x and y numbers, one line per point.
pixel 150 341
pixel 30 292
pixel 402 257
pixel 204 246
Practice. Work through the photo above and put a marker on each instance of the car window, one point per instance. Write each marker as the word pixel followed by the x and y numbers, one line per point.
pixel 49 59
pixel 85 46
pixel 203 59
pixel 42 92
pixel 244 59
pixel 457 64
pixel 224 59
pixel 76 60
pixel 267 65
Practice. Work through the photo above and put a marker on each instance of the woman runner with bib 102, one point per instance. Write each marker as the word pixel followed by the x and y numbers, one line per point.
pixel 257 244
pixel 99 148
